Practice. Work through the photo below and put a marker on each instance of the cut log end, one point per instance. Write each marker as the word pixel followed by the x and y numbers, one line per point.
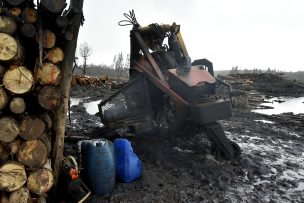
pixel 29 15
pixel 21 195
pixel 48 39
pixel 12 176
pixel 8 129
pixel 32 154
pixel 16 11
pixel 8 47
pixel 31 127
pixel 49 97
pixel 54 6
pixel 40 181
pixel 49 74
pixel 18 79
pixel 28 30
pixel 15 2
pixel 55 55
pixel 3 98
pixel 7 25
pixel 17 105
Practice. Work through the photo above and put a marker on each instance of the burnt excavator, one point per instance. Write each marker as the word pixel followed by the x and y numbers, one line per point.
pixel 167 89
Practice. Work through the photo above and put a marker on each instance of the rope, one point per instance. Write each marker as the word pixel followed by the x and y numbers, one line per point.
pixel 131 19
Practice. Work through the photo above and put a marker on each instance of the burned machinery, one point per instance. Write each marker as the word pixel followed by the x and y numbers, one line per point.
pixel 166 89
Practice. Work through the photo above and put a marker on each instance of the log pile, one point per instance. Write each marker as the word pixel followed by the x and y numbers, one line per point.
pixel 91 81
pixel 32 40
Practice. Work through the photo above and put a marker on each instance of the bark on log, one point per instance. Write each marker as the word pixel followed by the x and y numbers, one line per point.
pixel 14 146
pixel 28 30
pixel 31 127
pixel 17 105
pixel 40 181
pixel 16 11
pixel 49 97
pixel 21 195
pixel 12 176
pixel 3 98
pixel 18 79
pixel 29 15
pixel 45 138
pixel 48 74
pixel 32 154
pixel 3 153
pixel 65 84
pixel 8 129
pixel 2 71
pixel 55 55
pixel 54 6
pixel 15 2
pixel 7 25
pixel 3 197
pixel 48 39
pixel 47 119
pixel 9 48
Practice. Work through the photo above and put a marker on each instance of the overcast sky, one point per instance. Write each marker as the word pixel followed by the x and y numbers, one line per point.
pixel 249 34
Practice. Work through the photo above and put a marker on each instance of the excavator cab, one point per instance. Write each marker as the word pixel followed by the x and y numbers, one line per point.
pixel 166 88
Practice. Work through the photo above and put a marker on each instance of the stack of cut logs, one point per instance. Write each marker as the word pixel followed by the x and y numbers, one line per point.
pixel 93 81
pixel 32 38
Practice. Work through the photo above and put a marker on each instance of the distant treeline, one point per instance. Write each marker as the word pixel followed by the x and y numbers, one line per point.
pixel 123 73
pixel 299 75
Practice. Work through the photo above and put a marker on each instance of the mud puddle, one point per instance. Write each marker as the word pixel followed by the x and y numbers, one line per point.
pixel 278 105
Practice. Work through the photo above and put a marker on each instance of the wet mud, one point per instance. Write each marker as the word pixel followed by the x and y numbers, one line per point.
pixel 180 167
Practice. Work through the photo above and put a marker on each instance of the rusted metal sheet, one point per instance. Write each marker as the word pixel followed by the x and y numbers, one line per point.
pixel 195 77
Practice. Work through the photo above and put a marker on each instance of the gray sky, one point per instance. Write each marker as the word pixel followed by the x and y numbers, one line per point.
pixel 249 34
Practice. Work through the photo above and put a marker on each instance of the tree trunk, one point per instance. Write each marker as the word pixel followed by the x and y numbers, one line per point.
pixel 7 25
pixel 9 48
pixel 55 55
pixel 54 6
pixel 28 30
pixel 12 176
pixel 40 181
pixel 17 105
pixel 32 154
pixel 65 84
pixel 21 195
pixel 31 127
pixel 18 79
pixel 62 21
pixel 49 97
pixel 49 74
pixel 8 129
pixel 3 98
pixel 29 15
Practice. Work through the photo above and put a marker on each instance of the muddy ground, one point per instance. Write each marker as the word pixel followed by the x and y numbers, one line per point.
pixel 182 170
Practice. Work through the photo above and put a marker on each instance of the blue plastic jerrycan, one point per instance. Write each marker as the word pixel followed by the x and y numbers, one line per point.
pixel 128 166
pixel 99 164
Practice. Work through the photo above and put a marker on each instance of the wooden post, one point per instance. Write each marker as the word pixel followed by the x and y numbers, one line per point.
pixel 65 85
